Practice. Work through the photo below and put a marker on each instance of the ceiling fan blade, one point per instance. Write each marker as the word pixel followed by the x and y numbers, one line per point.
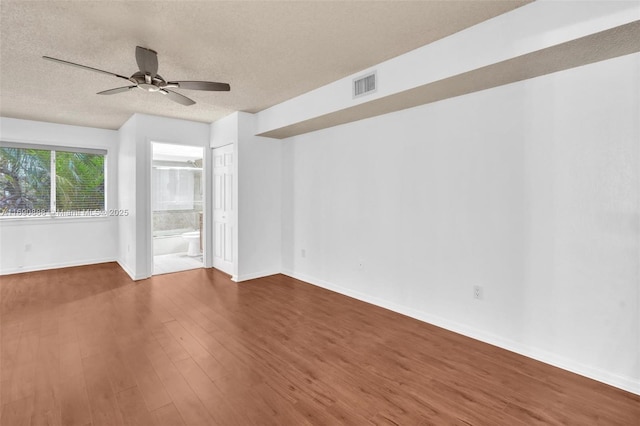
pixel 83 66
pixel 177 97
pixel 116 90
pixel 202 85
pixel 147 60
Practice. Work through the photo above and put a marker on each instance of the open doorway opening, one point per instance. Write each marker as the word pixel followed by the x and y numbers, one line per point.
pixel 177 189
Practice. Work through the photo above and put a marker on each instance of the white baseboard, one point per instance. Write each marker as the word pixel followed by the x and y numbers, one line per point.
pixel 628 384
pixel 126 269
pixel 34 268
pixel 253 276
pixel 130 272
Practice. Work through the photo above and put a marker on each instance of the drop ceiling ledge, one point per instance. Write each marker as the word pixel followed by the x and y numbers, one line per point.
pixel 608 44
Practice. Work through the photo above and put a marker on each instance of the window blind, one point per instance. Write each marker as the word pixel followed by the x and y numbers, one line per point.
pixel 37 179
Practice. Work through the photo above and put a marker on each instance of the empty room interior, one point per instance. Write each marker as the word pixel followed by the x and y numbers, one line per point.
pixel 319 213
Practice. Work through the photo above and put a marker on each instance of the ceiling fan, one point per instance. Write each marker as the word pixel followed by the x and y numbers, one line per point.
pixel 148 79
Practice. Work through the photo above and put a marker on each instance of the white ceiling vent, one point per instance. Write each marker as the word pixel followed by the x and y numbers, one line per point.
pixel 365 84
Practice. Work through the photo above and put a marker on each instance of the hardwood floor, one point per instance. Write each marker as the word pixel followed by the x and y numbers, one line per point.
pixel 87 346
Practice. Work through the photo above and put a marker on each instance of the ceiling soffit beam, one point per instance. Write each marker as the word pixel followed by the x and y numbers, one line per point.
pixel 607 44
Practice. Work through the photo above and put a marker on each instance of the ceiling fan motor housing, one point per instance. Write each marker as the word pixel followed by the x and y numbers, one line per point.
pixel 145 82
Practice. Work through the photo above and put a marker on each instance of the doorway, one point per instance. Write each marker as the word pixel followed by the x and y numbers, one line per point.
pixel 177 195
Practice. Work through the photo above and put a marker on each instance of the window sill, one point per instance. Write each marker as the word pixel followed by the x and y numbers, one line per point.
pixel 49 219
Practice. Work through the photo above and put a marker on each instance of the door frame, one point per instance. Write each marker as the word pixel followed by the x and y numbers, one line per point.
pixel 207 175
pixel 234 202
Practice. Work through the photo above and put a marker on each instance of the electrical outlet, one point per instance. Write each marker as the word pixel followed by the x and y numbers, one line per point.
pixel 303 253
pixel 27 247
pixel 360 264
pixel 477 292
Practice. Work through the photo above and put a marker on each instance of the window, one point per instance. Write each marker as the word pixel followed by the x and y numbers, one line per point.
pixel 38 181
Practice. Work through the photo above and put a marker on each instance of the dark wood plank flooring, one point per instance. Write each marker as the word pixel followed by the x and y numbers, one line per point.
pixel 87 346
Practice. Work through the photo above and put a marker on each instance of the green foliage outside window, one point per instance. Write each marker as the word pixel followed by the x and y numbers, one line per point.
pixel 25 179
pixel 26 176
pixel 79 181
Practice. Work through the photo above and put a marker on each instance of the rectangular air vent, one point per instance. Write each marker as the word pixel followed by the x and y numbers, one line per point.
pixel 364 85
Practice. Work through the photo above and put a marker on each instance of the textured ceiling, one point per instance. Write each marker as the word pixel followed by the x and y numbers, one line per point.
pixel 268 51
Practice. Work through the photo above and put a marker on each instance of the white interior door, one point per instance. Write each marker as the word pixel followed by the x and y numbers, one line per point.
pixel 223 206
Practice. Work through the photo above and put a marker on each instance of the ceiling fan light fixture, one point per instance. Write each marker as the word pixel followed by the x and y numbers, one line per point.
pixel 148 87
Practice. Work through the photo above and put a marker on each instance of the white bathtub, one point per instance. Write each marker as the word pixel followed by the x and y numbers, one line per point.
pixel 168 244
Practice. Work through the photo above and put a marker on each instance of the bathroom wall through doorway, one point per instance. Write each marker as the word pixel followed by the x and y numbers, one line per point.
pixel 177 207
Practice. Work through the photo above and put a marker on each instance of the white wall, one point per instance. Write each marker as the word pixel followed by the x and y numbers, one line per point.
pixel 127 197
pixel 530 190
pixel 257 213
pixel 259 202
pixel 224 131
pixel 136 136
pixel 30 244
